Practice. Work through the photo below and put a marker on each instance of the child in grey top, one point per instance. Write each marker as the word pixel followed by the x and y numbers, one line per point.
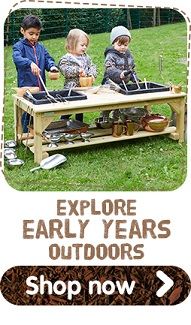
pixel 76 63
pixel 119 62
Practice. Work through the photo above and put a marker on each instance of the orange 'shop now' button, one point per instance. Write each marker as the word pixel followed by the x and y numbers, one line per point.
pixel 95 285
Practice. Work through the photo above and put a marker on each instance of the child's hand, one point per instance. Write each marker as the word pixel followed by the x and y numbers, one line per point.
pixel 54 69
pixel 35 69
pixel 124 74
pixel 82 72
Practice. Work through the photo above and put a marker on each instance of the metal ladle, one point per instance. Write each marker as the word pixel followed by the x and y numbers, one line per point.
pixel 73 85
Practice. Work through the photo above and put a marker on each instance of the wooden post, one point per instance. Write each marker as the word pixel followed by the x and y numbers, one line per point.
pixel 129 23
pixel 154 17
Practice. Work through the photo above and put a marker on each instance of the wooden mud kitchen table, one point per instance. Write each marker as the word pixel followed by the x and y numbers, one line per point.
pixel 44 114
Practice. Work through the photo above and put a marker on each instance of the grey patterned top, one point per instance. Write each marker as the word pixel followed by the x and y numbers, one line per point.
pixel 70 65
pixel 115 63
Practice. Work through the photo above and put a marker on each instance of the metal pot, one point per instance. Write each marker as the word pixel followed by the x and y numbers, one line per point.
pixel 133 113
pixel 104 123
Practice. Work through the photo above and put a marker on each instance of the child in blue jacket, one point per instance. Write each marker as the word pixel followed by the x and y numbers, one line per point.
pixel 31 59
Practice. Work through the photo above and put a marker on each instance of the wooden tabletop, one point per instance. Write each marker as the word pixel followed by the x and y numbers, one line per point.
pixel 100 99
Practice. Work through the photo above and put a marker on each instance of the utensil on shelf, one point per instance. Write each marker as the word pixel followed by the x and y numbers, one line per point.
pixel 104 123
pixel 154 122
pixel 50 162
pixel 69 137
pixel 86 136
pixel 54 139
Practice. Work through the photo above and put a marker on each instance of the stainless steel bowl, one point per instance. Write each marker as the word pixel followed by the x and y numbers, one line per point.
pixel 15 162
pixel 69 137
pixel 54 139
pixel 9 153
pixel 10 144
pixel 86 136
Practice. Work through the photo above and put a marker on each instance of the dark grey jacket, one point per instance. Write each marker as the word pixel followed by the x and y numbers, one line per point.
pixel 115 63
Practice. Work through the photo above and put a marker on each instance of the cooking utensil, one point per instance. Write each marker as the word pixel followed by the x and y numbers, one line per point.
pixel 9 153
pixel 69 137
pixel 132 127
pixel 136 80
pixel 86 136
pixel 146 87
pixel 54 139
pixel 47 92
pixel 154 122
pixel 15 162
pixel 103 123
pixel 124 85
pixel 50 162
pixel 115 87
pixel 28 93
pixel 10 144
pixel 73 85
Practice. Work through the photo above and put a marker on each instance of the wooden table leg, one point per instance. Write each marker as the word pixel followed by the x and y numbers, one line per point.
pixel 17 121
pixel 38 138
pixel 40 123
pixel 178 107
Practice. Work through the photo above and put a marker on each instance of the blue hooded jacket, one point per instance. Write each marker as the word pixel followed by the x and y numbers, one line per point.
pixel 24 53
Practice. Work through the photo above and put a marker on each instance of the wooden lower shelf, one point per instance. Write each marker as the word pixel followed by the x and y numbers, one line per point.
pixel 100 137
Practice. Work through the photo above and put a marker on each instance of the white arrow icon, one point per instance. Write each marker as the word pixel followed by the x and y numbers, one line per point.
pixel 168 283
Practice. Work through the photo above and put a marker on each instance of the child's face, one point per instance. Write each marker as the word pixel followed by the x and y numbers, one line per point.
pixel 31 34
pixel 122 48
pixel 81 46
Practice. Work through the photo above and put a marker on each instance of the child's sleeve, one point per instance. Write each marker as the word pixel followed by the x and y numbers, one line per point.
pixel 131 64
pixel 68 68
pixel 92 69
pixel 112 72
pixel 18 58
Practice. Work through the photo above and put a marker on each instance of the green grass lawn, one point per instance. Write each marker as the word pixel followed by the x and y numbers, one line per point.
pixel 147 164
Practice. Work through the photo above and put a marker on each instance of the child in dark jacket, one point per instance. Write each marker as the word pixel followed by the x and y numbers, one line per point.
pixel 31 59
pixel 119 62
